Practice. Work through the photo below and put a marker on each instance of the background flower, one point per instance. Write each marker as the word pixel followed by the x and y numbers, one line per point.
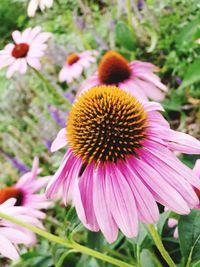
pixel 75 64
pixel 12 235
pixel 136 77
pixel 42 4
pixel 29 46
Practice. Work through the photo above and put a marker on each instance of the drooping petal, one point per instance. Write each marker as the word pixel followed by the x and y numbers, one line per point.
pixel 60 174
pixel 86 191
pixel 102 212
pixel 161 190
pixel 146 205
pixel 122 202
pixel 7 249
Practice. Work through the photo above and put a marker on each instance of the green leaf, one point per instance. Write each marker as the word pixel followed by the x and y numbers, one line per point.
pixel 148 258
pixel 163 218
pixel 197 264
pixel 189 236
pixel 143 239
pixel 186 34
pixel 192 74
pixel 153 37
pixel 124 36
pixel 96 240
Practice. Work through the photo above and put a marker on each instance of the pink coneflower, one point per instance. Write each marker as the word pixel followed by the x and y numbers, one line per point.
pixel 26 190
pixel 42 4
pixel 136 77
pixel 75 64
pixel 29 46
pixel 12 235
pixel 173 222
pixel 120 161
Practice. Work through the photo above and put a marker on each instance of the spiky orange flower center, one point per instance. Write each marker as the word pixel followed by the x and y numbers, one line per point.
pixel 11 192
pixel 106 124
pixel 72 58
pixel 113 68
pixel 20 50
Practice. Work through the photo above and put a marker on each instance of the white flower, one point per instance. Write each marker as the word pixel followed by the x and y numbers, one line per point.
pixel 42 4
pixel 27 49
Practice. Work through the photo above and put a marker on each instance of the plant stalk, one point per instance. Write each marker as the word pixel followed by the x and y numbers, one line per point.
pixel 160 246
pixel 67 243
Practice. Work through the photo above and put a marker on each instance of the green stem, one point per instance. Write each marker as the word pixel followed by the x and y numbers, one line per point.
pixel 81 36
pixel 129 14
pixel 160 246
pixel 56 98
pixel 67 243
pixel 64 255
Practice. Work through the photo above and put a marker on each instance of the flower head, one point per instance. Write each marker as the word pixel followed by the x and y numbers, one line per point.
pixel 42 4
pixel 75 64
pixel 26 190
pixel 120 162
pixel 27 49
pixel 136 77
pixel 12 235
pixel 26 193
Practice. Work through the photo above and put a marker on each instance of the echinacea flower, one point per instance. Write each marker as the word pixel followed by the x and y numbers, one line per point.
pixel 42 4
pixel 11 235
pixel 27 190
pixel 137 77
pixel 75 64
pixel 173 222
pixel 27 49
pixel 120 161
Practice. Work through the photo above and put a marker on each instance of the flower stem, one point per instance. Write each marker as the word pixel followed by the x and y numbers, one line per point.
pixel 55 96
pixel 67 243
pixel 129 14
pixel 160 246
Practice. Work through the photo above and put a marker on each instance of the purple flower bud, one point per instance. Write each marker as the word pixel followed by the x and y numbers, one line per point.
pixel 48 143
pixel 69 96
pixel 140 4
pixel 16 163
pixel 178 80
pixel 57 116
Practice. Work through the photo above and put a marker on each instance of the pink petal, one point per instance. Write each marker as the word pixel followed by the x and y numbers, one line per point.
pixel 34 32
pixel 146 205
pixel 182 142
pixel 60 141
pixel 25 35
pixel 121 202
pixel 162 191
pixel 15 236
pixel 152 106
pixel 152 78
pixel 60 175
pixel 14 67
pixel 23 66
pixel 103 214
pixel 34 62
pixel 17 37
pixel 86 191
pixel 196 168
pixel 170 159
pixel 172 222
pixel 178 181
pixel 151 90
pixel 41 38
pixel 7 249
